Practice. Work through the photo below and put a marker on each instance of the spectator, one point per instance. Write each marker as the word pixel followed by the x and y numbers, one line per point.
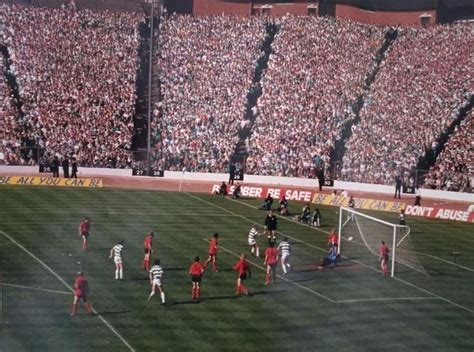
pixel 76 74
pixel 206 65
pixel 315 73
pixel 428 74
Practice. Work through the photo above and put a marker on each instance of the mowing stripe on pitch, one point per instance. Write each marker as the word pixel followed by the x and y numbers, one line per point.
pixel 322 231
pixel 68 286
pixel 120 213
pixel 279 276
pixel 36 288
pixel 352 260
pixel 382 299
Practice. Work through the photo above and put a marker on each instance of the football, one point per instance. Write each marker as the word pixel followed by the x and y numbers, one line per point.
pixel 349 238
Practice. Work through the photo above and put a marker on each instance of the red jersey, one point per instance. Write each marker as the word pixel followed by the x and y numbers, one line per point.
pixel 384 250
pixel 213 246
pixel 271 255
pixel 148 242
pixel 196 269
pixel 242 267
pixel 333 239
pixel 81 286
pixel 84 227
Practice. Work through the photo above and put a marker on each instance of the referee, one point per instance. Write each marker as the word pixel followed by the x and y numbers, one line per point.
pixel 271 227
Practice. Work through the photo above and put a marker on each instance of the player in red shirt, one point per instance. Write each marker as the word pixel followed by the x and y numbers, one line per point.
pixel 244 271
pixel 383 257
pixel 333 239
pixel 84 228
pixel 148 243
pixel 196 270
pixel 271 260
pixel 213 247
pixel 81 288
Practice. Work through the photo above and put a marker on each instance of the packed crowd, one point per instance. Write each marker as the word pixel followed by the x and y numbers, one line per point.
pixel 316 71
pixel 424 80
pixel 76 72
pixel 454 168
pixel 206 68
pixel 10 139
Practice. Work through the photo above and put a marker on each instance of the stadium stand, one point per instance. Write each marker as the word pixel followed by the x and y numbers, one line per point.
pixel 75 93
pixel 315 74
pixel 76 74
pixel 454 168
pixel 206 67
pixel 417 94
pixel 10 140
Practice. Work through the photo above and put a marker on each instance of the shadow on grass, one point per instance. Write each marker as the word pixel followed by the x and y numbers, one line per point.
pixel 114 312
pixel 224 297
pixel 179 303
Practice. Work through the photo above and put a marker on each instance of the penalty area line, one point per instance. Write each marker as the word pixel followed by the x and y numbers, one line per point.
pixel 446 300
pixel 68 286
pixel 386 299
pixel 36 288
pixel 325 232
pixel 278 275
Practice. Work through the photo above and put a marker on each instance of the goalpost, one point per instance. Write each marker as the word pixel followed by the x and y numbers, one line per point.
pixel 367 233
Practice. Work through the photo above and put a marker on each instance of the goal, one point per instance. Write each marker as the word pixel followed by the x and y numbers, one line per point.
pixel 363 235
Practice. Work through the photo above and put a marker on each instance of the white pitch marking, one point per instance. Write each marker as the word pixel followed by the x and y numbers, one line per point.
pixel 69 287
pixel 353 260
pixel 279 276
pixel 445 261
pixel 383 299
pixel 316 229
pixel 36 288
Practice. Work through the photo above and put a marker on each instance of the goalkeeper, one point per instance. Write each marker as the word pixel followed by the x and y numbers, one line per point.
pixel 330 258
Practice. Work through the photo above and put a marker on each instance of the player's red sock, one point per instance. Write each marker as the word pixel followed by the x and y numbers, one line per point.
pixel 193 293
pixel 244 289
pixel 238 290
pixel 214 267
pixel 198 292
pixel 267 279
pixel 74 308
pixel 89 308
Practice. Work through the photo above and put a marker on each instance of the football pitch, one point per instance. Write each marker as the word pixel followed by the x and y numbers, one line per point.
pixel 349 308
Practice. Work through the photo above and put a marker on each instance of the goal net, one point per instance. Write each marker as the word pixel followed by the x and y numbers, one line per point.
pixel 360 237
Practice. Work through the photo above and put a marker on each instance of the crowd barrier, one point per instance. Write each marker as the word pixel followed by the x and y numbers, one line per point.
pixel 293 188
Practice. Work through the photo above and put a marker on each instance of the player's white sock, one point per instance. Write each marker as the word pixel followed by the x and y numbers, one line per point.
pixel 258 252
pixel 121 274
pixel 253 250
pixel 283 266
pixel 162 297
pixel 151 295
pixel 116 274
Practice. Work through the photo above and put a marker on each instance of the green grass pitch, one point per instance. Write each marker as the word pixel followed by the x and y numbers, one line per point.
pixel 351 308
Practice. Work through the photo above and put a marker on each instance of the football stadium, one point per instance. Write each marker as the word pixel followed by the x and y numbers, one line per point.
pixel 236 175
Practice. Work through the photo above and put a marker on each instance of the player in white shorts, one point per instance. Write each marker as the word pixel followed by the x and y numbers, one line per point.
pixel 253 234
pixel 285 250
pixel 156 277
pixel 116 253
